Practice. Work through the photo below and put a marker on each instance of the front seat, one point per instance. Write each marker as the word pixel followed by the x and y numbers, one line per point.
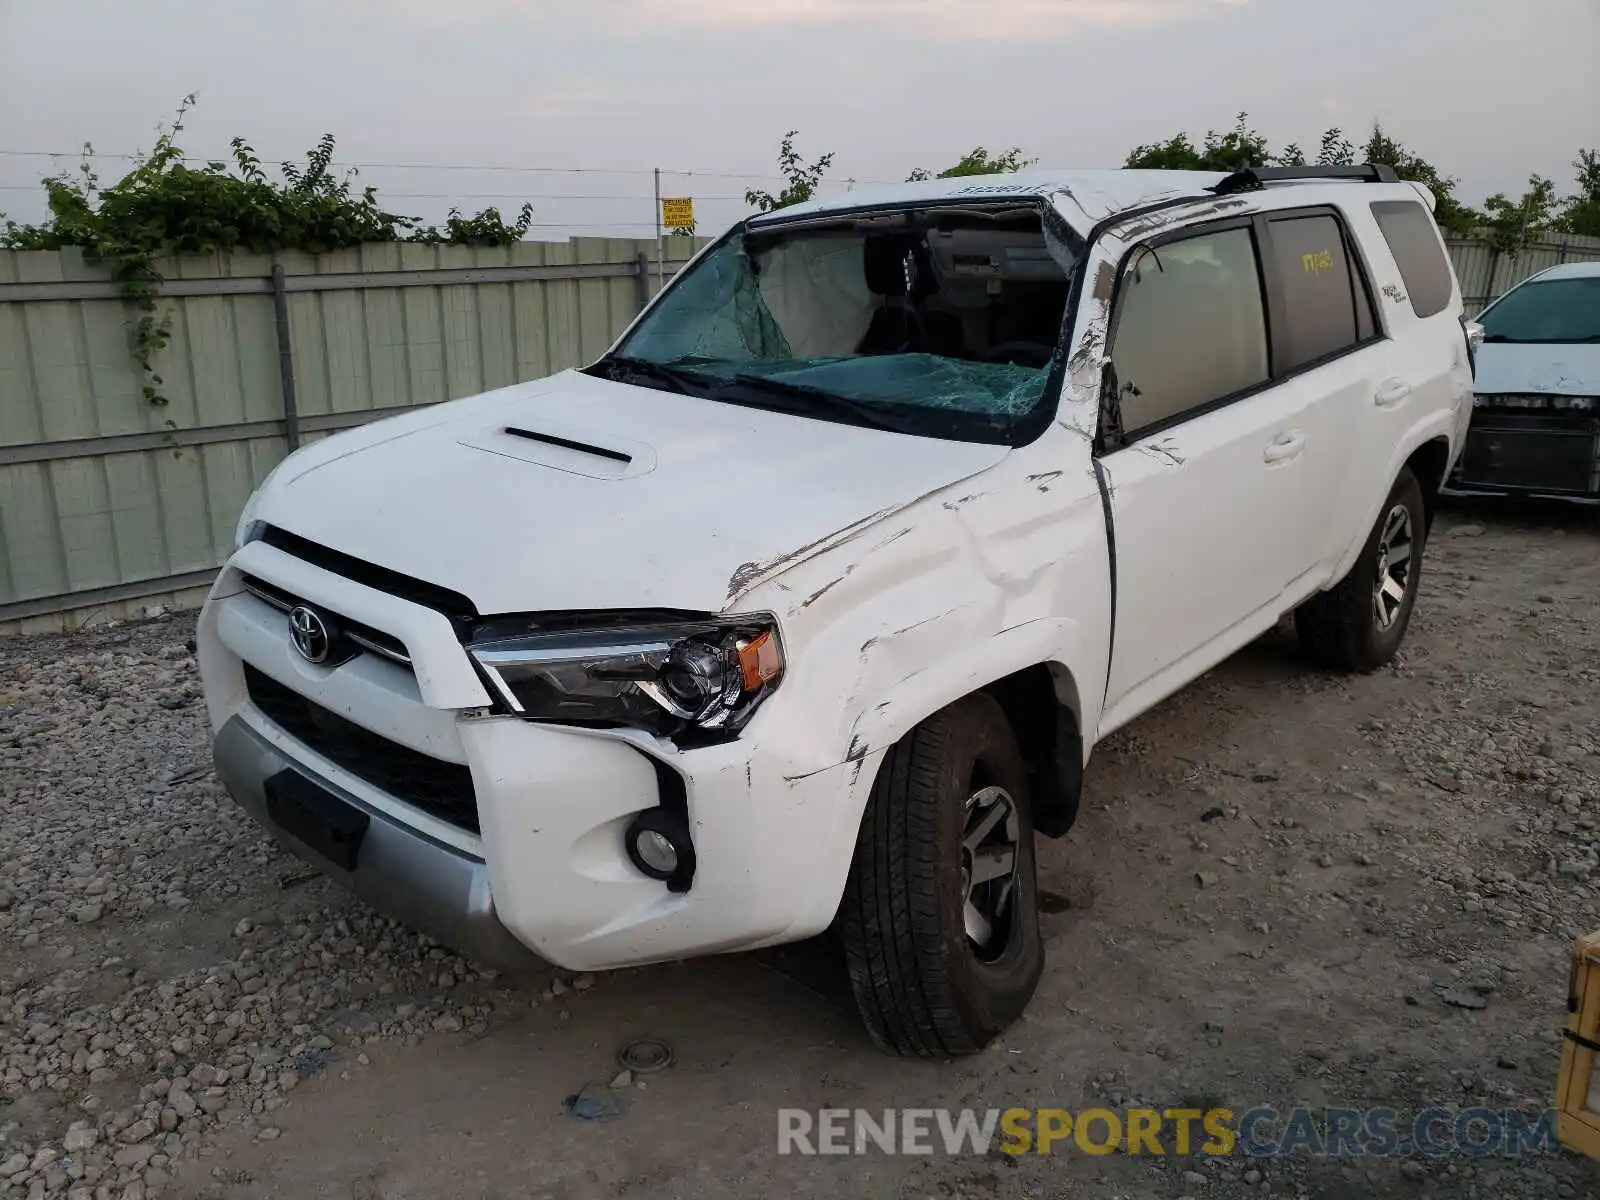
pixel 896 327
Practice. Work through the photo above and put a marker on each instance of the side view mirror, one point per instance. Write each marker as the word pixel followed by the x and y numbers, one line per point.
pixel 1474 334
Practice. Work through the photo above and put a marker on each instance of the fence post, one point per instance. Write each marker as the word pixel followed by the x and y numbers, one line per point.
pixel 643 265
pixel 280 311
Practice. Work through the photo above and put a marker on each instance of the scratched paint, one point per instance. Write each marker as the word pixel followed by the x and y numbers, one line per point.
pixel 904 615
pixel 1166 450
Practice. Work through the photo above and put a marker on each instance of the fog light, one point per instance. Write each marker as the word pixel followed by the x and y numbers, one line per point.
pixel 658 844
pixel 656 852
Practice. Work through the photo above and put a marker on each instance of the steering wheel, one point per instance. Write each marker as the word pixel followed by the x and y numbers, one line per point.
pixel 1021 354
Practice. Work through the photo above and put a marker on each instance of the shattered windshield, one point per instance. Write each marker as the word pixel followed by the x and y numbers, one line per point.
pixel 939 324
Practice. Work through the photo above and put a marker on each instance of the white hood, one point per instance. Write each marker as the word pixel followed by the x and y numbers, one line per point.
pixel 714 497
pixel 1570 369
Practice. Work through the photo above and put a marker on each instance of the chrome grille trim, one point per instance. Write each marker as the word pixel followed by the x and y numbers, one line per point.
pixel 284 601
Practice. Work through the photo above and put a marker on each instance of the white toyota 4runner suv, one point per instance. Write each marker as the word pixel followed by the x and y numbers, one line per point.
pixel 801 609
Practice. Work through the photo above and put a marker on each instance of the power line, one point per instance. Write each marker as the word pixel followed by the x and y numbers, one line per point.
pixel 644 198
pixel 527 197
pixel 424 166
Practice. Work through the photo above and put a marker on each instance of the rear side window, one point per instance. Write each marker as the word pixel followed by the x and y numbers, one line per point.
pixel 1191 327
pixel 1414 241
pixel 1324 300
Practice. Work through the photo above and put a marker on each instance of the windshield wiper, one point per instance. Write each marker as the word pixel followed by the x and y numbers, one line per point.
pixel 1502 339
pixel 687 383
pixel 810 400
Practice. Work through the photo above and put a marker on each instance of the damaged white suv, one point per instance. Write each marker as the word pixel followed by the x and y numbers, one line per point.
pixel 801 609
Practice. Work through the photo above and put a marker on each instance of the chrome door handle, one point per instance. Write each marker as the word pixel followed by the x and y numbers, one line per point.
pixel 1390 392
pixel 1285 446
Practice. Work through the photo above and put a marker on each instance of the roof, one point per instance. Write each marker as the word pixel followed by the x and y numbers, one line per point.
pixel 1083 197
pixel 1573 270
pixel 1099 193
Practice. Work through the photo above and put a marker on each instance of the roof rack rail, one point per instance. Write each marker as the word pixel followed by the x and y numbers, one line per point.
pixel 1254 178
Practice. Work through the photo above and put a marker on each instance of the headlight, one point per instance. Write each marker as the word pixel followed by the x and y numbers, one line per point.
pixel 248 529
pixel 1535 400
pixel 697 680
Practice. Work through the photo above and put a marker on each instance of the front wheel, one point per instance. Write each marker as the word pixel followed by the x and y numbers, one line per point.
pixel 940 920
pixel 1359 624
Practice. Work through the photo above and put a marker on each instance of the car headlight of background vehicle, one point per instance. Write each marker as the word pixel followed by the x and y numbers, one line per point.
pixel 694 680
pixel 1538 400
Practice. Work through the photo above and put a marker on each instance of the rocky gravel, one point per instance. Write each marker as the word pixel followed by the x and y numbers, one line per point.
pixel 1285 887
pixel 166 972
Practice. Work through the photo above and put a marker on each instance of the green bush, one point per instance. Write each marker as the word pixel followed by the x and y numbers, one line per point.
pixel 164 207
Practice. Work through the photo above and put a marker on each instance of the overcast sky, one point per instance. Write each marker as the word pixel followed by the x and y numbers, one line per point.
pixel 1490 90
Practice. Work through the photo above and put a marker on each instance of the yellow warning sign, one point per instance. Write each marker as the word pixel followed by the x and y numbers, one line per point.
pixel 677 213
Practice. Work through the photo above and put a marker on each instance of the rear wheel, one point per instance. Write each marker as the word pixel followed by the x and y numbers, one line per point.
pixel 940 921
pixel 1358 625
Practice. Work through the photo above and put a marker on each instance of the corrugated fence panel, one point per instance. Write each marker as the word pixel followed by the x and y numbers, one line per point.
pixel 423 329
pixel 53 335
pixel 20 419
pixel 384 322
pixel 346 338
pixel 108 502
pixel 529 315
pixel 497 353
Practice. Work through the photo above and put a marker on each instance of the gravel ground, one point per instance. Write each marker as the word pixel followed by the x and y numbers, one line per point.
pixel 166 972
pixel 1285 887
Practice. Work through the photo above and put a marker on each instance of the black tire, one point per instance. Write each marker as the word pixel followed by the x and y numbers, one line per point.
pixel 923 988
pixel 1341 628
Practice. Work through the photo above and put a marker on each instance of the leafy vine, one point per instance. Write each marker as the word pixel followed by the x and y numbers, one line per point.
pixel 165 207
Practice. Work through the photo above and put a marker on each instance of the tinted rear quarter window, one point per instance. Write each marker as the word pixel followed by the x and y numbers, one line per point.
pixel 1320 290
pixel 1414 241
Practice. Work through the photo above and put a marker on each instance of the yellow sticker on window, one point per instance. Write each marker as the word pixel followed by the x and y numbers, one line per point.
pixel 1320 260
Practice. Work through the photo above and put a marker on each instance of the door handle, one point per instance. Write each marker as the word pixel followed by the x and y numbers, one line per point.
pixel 1390 392
pixel 1285 446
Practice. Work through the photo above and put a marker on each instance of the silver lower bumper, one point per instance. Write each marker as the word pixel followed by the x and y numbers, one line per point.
pixel 433 888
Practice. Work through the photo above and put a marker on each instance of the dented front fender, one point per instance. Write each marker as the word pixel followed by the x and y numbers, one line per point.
pixel 999 572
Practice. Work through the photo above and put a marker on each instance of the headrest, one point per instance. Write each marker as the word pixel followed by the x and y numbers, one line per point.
pixel 883 261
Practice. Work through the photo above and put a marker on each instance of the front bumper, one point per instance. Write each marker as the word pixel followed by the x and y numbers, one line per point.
pixel 545 871
pixel 434 888
pixel 1514 452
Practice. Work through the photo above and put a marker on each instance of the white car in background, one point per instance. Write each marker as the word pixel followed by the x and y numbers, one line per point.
pixel 1536 412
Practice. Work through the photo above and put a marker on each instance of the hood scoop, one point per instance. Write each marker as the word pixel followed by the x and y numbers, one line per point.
pixel 547 444
pixel 550 439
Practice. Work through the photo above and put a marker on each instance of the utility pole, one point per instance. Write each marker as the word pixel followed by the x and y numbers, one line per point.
pixel 661 252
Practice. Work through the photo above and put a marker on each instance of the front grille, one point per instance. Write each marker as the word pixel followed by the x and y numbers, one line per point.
pixel 1532 452
pixel 441 789
pixel 363 636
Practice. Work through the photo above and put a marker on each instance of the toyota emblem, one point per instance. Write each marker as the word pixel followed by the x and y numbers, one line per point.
pixel 310 634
